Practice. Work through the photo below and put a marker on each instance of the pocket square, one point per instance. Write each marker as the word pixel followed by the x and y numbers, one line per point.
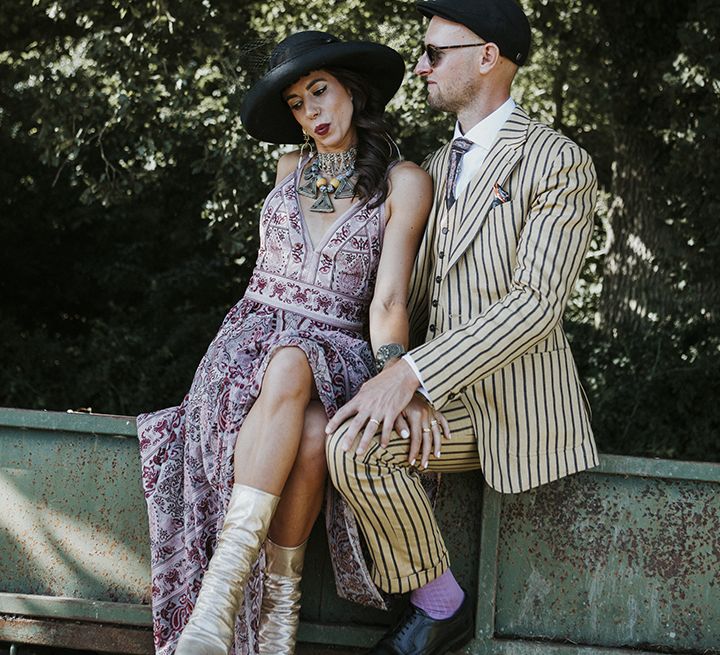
pixel 501 196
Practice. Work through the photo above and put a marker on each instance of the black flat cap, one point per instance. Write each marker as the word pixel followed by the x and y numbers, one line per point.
pixel 502 22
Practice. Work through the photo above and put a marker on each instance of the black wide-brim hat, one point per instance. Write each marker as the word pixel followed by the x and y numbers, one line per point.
pixel 265 114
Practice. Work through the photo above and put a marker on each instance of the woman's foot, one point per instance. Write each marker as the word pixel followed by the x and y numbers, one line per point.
pixel 211 628
pixel 280 614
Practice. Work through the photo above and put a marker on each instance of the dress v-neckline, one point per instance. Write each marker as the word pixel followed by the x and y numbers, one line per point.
pixel 317 249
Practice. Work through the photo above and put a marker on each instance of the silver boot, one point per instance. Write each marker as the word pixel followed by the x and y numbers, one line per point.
pixel 280 615
pixel 211 628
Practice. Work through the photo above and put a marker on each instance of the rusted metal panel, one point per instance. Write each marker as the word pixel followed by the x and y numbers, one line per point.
pixel 75 536
pixel 623 557
pixel 96 637
pixel 626 555
pixel 348 634
pixel 80 609
pixel 68 422
pixel 74 519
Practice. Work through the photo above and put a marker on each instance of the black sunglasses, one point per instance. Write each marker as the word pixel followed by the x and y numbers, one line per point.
pixel 435 52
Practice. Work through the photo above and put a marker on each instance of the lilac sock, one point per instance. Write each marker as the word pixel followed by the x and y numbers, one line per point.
pixel 441 598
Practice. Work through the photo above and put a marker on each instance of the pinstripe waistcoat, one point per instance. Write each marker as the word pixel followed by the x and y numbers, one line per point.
pixel 489 289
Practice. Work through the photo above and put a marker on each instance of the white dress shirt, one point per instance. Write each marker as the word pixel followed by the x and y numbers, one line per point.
pixel 483 135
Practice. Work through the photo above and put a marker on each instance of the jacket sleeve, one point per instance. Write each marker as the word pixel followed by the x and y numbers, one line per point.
pixel 550 253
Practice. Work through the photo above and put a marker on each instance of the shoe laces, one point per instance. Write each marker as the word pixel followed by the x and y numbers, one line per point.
pixel 408 621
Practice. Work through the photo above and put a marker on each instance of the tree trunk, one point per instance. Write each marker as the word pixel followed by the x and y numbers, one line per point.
pixel 633 290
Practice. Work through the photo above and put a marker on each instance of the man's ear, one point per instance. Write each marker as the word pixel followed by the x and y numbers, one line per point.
pixel 489 57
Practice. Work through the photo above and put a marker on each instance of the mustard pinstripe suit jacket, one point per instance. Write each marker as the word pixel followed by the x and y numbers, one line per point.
pixel 488 293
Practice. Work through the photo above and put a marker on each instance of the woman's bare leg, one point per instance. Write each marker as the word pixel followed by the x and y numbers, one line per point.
pixel 266 449
pixel 302 496
pixel 285 547
pixel 268 440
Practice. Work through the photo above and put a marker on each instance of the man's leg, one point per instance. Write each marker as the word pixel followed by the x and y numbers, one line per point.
pixel 391 506
pixel 407 549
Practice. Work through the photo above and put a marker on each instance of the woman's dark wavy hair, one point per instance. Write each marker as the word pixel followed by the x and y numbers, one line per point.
pixel 375 150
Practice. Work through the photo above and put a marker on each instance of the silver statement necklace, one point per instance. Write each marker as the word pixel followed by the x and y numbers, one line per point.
pixel 329 174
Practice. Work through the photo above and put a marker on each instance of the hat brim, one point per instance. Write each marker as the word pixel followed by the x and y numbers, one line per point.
pixel 267 117
pixel 449 11
pixel 428 8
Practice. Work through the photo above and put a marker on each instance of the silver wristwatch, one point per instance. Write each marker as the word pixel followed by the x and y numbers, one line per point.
pixel 386 352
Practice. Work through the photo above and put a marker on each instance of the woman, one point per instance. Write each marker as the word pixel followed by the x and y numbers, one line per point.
pixel 243 455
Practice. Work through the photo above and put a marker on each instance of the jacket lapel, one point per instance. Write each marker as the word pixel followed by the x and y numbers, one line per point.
pixel 470 210
pixel 438 170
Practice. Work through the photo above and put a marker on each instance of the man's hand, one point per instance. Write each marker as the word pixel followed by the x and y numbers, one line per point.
pixel 378 403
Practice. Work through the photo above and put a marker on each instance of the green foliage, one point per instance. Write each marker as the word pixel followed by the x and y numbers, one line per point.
pixel 120 123
pixel 130 193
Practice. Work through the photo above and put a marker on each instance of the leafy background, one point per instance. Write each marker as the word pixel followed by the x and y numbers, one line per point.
pixel 129 193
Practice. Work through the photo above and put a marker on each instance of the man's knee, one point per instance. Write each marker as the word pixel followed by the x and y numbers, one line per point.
pixel 337 458
pixel 345 467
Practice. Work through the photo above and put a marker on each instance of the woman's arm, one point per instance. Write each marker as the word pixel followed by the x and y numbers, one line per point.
pixel 408 206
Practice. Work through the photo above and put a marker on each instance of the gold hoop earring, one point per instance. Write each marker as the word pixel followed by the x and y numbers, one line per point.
pixel 306 144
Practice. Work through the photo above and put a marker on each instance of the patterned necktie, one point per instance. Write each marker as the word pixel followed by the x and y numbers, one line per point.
pixel 458 148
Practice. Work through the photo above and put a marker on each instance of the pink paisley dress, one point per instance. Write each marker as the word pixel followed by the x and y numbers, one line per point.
pixel 314 297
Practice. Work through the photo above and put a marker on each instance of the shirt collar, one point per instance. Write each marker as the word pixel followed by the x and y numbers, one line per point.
pixel 483 134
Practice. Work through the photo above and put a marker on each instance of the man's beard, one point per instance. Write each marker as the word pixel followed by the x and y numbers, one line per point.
pixel 440 102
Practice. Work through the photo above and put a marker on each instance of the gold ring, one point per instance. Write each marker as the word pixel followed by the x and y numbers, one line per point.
pixel 426 429
pixel 373 420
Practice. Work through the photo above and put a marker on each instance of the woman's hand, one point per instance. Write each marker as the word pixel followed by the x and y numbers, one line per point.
pixel 425 427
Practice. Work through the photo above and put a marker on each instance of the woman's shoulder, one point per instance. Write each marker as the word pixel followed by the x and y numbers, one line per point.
pixel 287 164
pixel 411 191
pixel 408 175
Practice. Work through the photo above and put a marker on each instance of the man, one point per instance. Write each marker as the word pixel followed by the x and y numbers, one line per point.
pixel 511 222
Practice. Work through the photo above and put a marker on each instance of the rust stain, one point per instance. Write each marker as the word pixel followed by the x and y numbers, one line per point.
pixel 609 560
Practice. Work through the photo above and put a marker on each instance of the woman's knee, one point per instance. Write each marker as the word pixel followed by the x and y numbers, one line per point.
pixel 316 421
pixel 288 376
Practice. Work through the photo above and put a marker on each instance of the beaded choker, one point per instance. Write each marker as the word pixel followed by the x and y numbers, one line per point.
pixel 339 167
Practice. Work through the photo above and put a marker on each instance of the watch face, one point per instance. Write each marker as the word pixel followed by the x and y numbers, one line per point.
pixel 388 351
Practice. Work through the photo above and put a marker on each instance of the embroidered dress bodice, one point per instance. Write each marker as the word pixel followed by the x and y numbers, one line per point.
pixel 331 281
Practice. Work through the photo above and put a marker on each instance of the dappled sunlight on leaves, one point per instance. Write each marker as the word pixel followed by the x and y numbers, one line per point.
pixel 131 192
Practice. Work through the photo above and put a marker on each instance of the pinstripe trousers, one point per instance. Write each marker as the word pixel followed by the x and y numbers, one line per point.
pixel 390 504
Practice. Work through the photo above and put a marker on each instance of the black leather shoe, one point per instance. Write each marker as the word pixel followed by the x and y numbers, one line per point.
pixel 418 634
